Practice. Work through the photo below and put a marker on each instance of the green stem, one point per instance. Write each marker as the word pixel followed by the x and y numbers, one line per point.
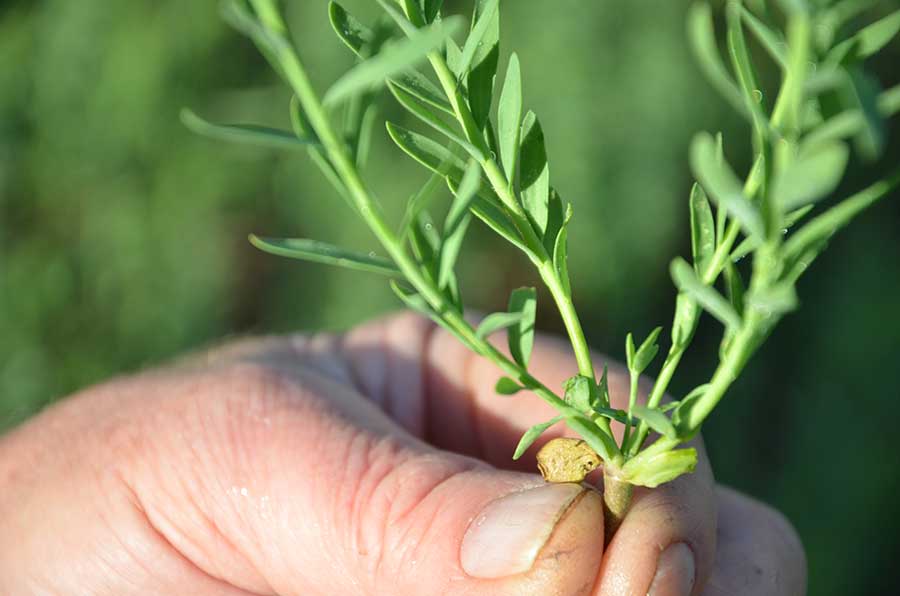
pixel 616 502
pixel 502 187
pixel 297 77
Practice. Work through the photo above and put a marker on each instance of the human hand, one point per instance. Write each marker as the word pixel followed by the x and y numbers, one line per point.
pixel 372 463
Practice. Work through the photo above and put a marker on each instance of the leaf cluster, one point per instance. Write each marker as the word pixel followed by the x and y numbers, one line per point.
pixel 476 139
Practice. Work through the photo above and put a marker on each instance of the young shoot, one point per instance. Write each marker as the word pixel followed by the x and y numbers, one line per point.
pixel 443 70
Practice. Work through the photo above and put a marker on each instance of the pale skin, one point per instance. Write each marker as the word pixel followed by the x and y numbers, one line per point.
pixel 341 464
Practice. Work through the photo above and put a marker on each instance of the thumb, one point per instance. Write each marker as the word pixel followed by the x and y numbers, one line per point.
pixel 320 492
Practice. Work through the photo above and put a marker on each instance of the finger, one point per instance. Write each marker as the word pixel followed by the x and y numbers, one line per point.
pixel 462 412
pixel 280 479
pixel 758 553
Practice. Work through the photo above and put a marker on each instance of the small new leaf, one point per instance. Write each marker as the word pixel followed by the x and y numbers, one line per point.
pixel 714 303
pixel 656 469
pixel 521 335
pixel 580 393
pixel 703 230
pixel 497 321
pixel 531 435
pixel 641 359
pixel 507 386
pixel 656 420
pixel 722 184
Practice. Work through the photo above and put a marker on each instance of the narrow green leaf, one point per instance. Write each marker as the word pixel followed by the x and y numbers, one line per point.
pixel 453 56
pixel 321 252
pixel 418 201
pixel 656 420
pixel 561 253
pixel 521 335
pixel 579 393
pixel 714 303
pixel 480 29
pixel 236 14
pixel 775 300
pixel 506 386
pixel 497 220
pixel 629 351
pixel 260 136
pixel 812 176
pixel 426 243
pixel 393 59
pixel 532 434
pixel 620 416
pixel 417 85
pixel 748 82
pixel 457 222
pixel 483 69
pixel 497 321
pixel 802 247
pixel 354 34
pixel 682 414
pixel 867 41
pixel 702 37
pixel 723 185
pixel 431 9
pixel 423 112
pixel 647 352
pixel 734 284
pixel 534 176
pixel 427 152
pixel 400 18
pixel 703 230
pixel 413 10
pixel 603 388
pixel 659 468
pixel 772 41
pixel 509 116
pixel 684 324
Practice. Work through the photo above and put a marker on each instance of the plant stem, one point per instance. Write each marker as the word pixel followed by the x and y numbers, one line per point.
pixel 502 187
pixel 616 501
pixel 297 77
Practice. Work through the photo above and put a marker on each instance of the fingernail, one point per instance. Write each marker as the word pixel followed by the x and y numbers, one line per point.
pixel 674 572
pixel 508 534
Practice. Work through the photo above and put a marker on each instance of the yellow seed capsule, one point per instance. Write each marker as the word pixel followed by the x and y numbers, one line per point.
pixel 567 460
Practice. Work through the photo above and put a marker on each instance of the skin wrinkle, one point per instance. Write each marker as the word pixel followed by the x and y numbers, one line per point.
pixel 413 535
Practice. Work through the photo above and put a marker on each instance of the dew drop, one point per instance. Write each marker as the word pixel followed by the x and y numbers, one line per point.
pixel 757 95
pixel 429 227
pixel 372 252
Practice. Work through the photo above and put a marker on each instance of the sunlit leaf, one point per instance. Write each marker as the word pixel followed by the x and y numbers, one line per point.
pixel 509 116
pixel 532 434
pixel 321 252
pixel 521 335
pixel 534 177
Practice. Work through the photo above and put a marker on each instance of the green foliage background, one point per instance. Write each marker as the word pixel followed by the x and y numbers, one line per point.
pixel 122 236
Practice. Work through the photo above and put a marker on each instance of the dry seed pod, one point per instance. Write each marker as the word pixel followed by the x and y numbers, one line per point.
pixel 567 460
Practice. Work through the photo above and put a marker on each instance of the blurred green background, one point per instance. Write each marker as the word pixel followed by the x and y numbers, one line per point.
pixel 123 237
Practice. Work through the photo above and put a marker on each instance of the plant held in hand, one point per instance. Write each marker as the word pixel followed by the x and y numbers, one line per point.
pixel 496 166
